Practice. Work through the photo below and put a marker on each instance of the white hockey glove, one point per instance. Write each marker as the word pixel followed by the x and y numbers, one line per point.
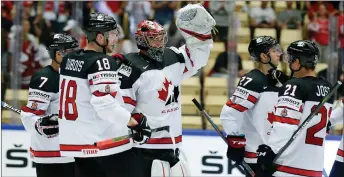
pixel 48 126
pixel 195 24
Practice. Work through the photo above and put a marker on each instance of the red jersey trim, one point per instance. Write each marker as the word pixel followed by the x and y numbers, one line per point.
pixel 71 147
pixel 45 153
pixel 250 154
pixel 178 139
pixel 37 112
pixel 128 100
pixel 299 171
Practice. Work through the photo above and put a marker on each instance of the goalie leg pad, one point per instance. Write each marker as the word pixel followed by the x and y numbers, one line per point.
pixel 160 168
pixel 178 170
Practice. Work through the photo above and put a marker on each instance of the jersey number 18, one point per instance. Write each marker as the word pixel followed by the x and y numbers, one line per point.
pixel 69 100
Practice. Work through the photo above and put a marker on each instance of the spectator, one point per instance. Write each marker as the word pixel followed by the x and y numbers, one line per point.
pixel 314 7
pixel 289 18
pixel 319 31
pixel 220 11
pixel 341 32
pixel 28 61
pixel 114 9
pixel 263 17
pixel 220 68
pixel 164 11
pixel 72 28
pixel 138 11
pixel 175 38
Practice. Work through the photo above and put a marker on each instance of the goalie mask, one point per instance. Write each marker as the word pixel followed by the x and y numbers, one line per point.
pixel 151 37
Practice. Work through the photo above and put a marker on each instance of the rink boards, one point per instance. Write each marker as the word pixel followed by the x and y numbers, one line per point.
pixel 203 151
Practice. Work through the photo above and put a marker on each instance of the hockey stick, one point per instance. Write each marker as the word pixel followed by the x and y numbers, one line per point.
pixel 7 106
pixel 206 115
pixel 112 140
pixel 307 120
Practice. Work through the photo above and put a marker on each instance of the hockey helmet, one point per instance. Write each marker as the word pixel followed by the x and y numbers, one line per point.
pixel 151 36
pixel 99 22
pixel 63 43
pixel 304 50
pixel 262 44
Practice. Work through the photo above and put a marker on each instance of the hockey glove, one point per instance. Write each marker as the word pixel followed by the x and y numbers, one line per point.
pixel 236 147
pixel 277 77
pixel 265 164
pixel 141 132
pixel 48 126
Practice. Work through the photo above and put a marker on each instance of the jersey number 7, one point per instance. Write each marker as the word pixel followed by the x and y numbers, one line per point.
pixel 69 100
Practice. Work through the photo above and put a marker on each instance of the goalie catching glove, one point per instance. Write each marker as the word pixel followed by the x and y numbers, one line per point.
pixel 48 126
pixel 141 132
pixel 195 24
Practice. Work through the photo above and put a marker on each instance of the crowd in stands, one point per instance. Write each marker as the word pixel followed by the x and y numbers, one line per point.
pixel 43 18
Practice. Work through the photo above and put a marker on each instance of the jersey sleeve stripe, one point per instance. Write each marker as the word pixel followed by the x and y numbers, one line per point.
pixel 250 154
pixel 188 54
pixel 38 101
pixel 185 70
pixel 91 83
pixel 68 147
pixel 285 120
pixel 340 152
pixel 36 112
pixel 290 108
pixel 299 171
pixel 252 99
pixel 128 100
pixel 99 94
pixel 45 153
pixel 178 139
pixel 238 107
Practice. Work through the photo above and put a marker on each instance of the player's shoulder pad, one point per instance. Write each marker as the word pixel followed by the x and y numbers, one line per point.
pixel 173 55
pixel 254 80
pixel 45 79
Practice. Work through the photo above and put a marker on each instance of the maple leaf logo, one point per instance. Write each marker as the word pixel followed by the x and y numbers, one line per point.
pixel 163 93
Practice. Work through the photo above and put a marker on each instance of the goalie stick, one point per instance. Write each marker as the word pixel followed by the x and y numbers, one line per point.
pixel 206 115
pixel 307 120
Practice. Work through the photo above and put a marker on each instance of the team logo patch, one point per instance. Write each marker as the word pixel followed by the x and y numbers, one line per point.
pixel 34 106
pixel 284 112
pixel 107 88
pixel 125 70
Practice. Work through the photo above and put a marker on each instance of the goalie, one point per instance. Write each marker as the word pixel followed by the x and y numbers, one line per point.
pixel 151 80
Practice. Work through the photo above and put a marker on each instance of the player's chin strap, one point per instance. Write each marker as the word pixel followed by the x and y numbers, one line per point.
pixel 103 46
pixel 269 62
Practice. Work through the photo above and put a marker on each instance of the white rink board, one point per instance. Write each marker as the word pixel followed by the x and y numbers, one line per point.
pixel 205 155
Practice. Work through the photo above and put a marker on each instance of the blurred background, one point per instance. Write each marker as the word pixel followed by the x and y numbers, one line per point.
pixel 25 26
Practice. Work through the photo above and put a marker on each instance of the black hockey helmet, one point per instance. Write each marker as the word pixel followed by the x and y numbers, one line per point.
pixel 63 43
pixel 100 23
pixel 262 44
pixel 304 50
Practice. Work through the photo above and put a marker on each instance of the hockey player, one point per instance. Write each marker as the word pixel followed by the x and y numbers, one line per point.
pixel 43 101
pixel 247 114
pixel 338 166
pixel 298 98
pixel 152 77
pixel 92 108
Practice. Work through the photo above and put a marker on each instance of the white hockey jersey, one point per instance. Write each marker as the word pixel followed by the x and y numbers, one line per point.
pixel 91 106
pixel 305 155
pixel 153 89
pixel 337 117
pixel 43 100
pixel 249 111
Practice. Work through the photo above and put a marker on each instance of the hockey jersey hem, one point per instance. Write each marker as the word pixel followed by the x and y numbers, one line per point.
pixel 287 170
pixel 161 143
pixel 48 157
pixel 91 150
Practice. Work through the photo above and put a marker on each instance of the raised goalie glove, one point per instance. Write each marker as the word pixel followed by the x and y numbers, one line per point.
pixel 48 126
pixel 195 24
pixel 141 132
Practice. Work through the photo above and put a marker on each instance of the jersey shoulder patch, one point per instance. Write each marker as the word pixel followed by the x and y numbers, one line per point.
pixel 45 79
pixel 255 81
